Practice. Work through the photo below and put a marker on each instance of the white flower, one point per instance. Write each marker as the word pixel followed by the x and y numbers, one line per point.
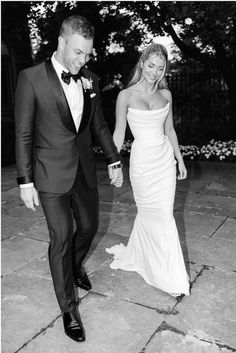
pixel 87 83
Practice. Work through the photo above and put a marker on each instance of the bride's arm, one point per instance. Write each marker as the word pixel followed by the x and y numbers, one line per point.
pixel 121 119
pixel 170 132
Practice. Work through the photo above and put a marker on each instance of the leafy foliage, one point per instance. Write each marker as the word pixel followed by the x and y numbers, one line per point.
pixel 206 33
pixel 15 32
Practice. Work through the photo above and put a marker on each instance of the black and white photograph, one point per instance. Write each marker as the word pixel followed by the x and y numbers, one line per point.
pixel 118 179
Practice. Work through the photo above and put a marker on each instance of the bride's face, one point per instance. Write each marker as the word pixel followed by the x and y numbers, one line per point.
pixel 153 69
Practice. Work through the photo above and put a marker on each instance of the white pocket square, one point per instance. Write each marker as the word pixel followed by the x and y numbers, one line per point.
pixel 92 95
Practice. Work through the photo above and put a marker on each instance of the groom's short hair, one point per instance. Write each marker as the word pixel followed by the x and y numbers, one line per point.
pixel 77 24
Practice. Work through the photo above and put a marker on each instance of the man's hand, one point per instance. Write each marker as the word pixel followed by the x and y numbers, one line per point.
pixel 30 197
pixel 116 176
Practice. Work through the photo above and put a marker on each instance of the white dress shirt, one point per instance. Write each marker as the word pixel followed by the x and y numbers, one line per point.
pixel 73 92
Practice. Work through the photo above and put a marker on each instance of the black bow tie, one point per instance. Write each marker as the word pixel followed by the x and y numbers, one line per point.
pixel 66 76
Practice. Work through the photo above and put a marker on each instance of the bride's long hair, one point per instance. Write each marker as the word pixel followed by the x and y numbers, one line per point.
pixel 152 49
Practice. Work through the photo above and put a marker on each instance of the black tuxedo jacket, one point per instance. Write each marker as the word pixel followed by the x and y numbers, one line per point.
pixel 48 148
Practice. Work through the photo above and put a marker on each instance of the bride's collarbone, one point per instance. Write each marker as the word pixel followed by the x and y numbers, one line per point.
pixel 148 104
pixel 147 101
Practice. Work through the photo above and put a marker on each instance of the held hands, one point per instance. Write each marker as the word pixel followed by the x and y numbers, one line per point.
pixel 182 170
pixel 30 197
pixel 116 176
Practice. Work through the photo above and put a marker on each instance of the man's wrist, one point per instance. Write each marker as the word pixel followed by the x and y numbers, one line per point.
pixel 27 185
pixel 115 165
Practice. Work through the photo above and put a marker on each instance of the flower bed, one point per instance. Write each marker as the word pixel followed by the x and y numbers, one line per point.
pixel 213 151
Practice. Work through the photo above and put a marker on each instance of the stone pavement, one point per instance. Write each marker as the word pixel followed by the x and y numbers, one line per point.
pixel 122 314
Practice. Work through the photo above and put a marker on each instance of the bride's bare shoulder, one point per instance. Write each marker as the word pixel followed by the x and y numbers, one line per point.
pixel 129 92
pixel 166 94
pixel 125 95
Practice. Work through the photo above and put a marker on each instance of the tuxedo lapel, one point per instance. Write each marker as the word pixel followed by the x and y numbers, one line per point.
pixel 59 96
pixel 86 110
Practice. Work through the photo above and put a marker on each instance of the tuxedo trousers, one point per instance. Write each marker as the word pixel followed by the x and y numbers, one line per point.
pixel 68 248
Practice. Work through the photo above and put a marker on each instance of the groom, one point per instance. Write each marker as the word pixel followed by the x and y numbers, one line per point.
pixel 57 111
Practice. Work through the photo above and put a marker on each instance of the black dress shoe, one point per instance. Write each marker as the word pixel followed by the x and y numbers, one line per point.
pixel 83 281
pixel 73 326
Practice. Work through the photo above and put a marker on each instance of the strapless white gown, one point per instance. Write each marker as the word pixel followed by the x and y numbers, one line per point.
pixel 153 249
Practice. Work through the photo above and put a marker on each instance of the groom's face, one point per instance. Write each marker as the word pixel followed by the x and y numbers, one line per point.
pixel 75 51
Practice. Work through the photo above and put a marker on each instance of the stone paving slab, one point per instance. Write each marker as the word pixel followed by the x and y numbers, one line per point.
pixel 200 225
pixel 17 252
pixel 24 213
pixel 110 207
pixel 123 226
pixel 12 225
pixel 168 341
pixel 126 198
pixel 123 208
pixel 182 199
pixel 107 221
pixel 209 251
pixel 216 201
pixel 29 304
pixel 209 177
pixel 209 313
pixel 11 197
pixel 225 187
pixel 228 213
pixel 38 267
pixel 227 231
pixel 111 326
pixel 195 185
pixel 12 204
pixel 37 231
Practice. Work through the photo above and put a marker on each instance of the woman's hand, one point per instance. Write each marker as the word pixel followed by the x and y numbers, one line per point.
pixel 182 170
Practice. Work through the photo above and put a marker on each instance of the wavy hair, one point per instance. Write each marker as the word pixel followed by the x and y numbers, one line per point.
pixel 153 49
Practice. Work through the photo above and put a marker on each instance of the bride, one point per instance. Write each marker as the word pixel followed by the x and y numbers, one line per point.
pixel 153 249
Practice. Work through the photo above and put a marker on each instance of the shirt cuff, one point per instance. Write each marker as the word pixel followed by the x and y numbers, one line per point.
pixel 28 185
pixel 110 165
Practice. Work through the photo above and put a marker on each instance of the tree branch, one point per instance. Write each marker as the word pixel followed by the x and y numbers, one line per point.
pixel 187 50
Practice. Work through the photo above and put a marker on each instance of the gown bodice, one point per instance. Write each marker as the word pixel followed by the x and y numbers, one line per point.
pixel 147 126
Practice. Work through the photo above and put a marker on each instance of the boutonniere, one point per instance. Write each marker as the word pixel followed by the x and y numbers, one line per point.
pixel 87 83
